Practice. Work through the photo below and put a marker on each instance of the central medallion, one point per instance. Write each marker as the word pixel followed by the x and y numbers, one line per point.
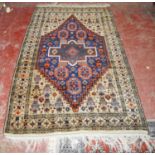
pixel 72 52
pixel 72 58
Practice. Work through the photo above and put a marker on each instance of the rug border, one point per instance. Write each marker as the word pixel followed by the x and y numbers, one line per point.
pixel 130 72
pixel 14 73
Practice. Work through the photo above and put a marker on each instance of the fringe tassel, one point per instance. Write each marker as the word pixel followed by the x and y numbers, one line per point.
pixel 82 5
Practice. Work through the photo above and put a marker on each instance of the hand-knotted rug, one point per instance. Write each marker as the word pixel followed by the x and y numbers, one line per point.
pixel 73 75
pixel 111 143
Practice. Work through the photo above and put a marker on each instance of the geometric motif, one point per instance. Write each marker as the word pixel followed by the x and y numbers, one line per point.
pixel 72 75
pixel 72 58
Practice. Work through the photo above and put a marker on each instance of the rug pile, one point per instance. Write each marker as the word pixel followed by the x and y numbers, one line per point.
pixel 73 75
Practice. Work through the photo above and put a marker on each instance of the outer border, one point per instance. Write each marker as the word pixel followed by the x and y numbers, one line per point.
pixel 15 71
pixel 130 73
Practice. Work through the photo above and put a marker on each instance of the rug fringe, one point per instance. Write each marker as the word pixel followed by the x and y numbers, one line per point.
pixel 77 133
pixel 56 4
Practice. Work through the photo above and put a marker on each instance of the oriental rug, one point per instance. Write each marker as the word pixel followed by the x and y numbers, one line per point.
pixel 105 144
pixel 73 75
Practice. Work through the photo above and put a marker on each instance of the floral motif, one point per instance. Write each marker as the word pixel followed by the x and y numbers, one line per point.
pixel 106 144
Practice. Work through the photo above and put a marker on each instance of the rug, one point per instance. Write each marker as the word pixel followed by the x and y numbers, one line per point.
pixel 105 144
pixel 73 75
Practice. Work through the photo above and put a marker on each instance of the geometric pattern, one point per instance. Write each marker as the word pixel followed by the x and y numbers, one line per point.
pixel 72 58
pixel 72 75
pixel 72 52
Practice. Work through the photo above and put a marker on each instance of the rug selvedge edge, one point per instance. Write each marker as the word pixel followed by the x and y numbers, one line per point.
pixel 7 118
pixel 130 72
